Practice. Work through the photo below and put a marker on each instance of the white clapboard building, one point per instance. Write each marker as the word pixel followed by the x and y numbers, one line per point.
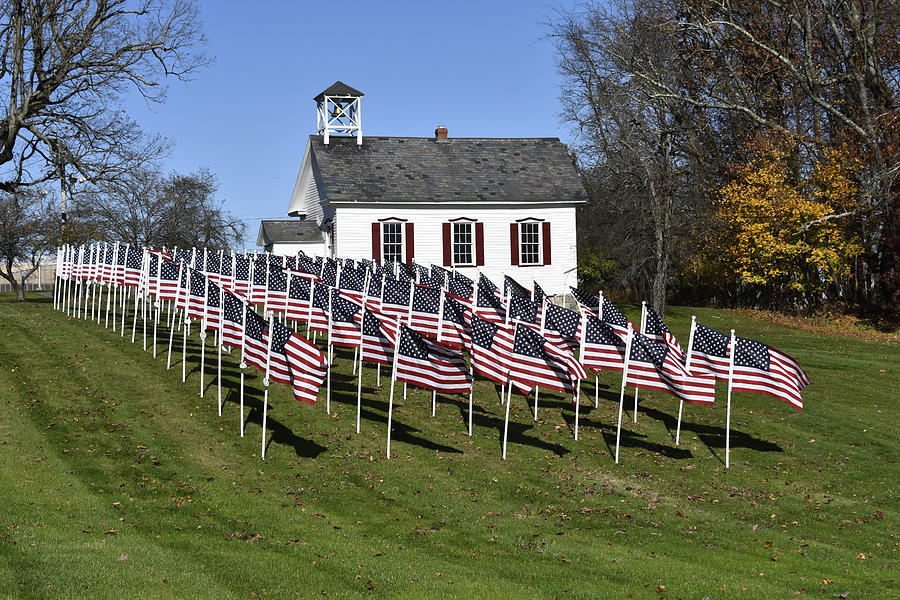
pixel 494 205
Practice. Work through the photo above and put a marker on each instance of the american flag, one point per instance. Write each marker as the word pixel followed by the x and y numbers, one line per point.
pixel 318 318
pixel 523 309
pixel 536 362
pixel 373 292
pixel 233 321
pixel 276 297
pixel 395 299
pixel 107 260
pixel 378 333
pixel 588 302
pixel 491 351
pixel 366 264
pixel 613 317
pixel 119 265
pixel 709 352
pixel 655 329
pixel 298 298
pixel 461 286
pixel 329 272
pixel 456 326
pixel 345 329
pixel 426 364
pixel 347 263
pixel 539 296
pixel 196 296
pixel 213 263
pixel 353 282
pixel 425 315
pixel 260 273
pixel 761 369
pixel 405 272
pixel 290 263
pixel 439 276
pixel 242 275
pixel 488 305
pixel 213 310
pixel 168 281
pixel 423 275
pixel 307 265
pixel 561 325
pixel 254 342
pixel 297 362
pixel 153 273
pixel 603 348
pixel 134 266
pixel 226 275
pixel 512 287
pixel 652 366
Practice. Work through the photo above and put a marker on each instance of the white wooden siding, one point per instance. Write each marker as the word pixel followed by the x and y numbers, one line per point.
pixel 354 238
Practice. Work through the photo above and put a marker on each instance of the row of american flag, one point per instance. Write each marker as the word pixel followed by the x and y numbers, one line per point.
pixel 436 328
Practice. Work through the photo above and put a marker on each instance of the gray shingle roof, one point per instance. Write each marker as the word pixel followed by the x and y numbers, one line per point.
pixel 402 169
pixel 287 230
pixel 338 88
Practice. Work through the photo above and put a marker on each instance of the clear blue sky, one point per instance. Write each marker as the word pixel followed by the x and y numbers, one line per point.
pixel 483 69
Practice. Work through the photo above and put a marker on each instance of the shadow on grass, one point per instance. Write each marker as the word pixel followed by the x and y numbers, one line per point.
pixel 281 433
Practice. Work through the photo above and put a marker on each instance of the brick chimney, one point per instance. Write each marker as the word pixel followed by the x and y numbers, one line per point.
pixel 440 134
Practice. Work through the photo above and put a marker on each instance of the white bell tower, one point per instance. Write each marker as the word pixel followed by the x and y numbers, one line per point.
pixel 338 112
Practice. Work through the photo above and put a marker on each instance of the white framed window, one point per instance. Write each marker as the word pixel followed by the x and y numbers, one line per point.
pixel 392 241
pixel 463 244
pixel 530 243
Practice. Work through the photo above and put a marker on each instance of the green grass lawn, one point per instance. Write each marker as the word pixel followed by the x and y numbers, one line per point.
pixel 118 481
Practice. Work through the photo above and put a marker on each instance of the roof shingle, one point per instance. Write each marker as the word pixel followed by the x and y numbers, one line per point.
pixel 403 169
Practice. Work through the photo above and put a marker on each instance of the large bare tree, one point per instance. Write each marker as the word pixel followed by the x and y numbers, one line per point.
pixel 64 68
pixel 146 208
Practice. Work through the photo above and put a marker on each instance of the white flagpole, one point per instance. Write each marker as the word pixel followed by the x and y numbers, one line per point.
pixel 537 390
pixel 330 355
pixel 597 375
pixel 622 392
pixel 732 348
pixel 506 418
pixel 203 326
pixel 97 286
pixel 412 291
pixel 110 291
pixel 391 400
pixel 362 322
pixel 583 319
pixel 219 344
pixel 687 367
pixel 577 406
pixel 145 293
pixel 243 364
pixel 643 327
pixel 174 315
pixel 124 290
pixel 187 321
pixel 266 385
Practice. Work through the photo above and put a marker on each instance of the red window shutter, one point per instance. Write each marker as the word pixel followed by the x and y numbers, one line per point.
pixel 479 244
pixel 410 244
pixel 448 247
pixel 514 244
pixel 545 237
pixel 376 242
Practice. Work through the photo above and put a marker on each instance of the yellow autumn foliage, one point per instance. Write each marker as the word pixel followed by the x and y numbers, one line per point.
pixel 764 208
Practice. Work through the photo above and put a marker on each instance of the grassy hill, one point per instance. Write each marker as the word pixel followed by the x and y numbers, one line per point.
pixel 119 481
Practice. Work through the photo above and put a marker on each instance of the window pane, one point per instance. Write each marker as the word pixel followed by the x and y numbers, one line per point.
pixel 462 244
pixel 392 241
pixel 530 243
